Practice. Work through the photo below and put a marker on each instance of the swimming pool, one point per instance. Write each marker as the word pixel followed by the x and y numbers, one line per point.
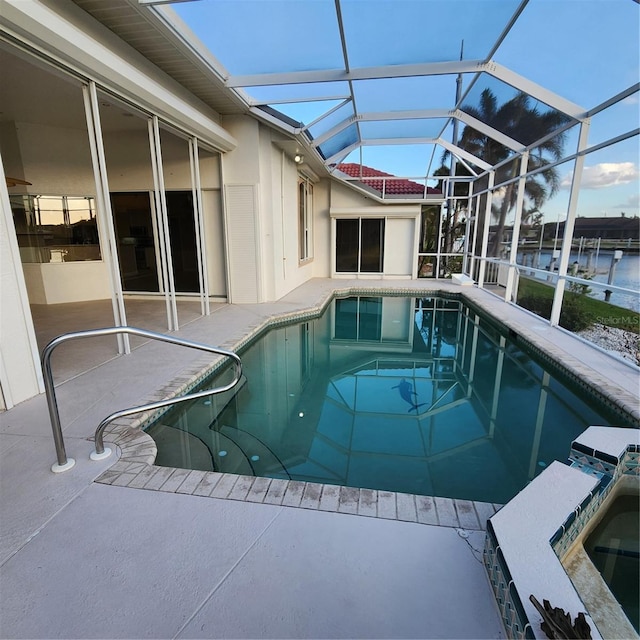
pixel 418 395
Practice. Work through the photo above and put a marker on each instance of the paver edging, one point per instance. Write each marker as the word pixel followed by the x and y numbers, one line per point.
pixel 295 494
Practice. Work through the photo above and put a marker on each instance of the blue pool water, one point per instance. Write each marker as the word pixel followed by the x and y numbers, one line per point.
pixel 413 395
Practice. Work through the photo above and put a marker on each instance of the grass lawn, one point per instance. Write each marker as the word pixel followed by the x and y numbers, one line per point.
pixel 537 296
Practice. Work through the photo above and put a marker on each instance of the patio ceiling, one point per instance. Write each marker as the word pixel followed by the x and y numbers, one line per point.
pixel 408 76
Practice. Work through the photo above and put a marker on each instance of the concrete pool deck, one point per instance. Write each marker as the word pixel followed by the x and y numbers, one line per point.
pixel 81 559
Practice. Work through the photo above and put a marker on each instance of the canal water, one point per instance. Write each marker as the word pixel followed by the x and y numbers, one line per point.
pixel 627 274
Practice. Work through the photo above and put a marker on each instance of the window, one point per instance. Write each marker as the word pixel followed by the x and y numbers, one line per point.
pixel 55 228
pixel 305 215
pixel 360 245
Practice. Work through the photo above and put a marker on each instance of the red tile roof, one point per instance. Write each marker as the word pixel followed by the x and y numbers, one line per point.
pixel 397 186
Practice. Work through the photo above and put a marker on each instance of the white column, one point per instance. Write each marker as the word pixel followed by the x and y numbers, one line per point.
pixel 417 229
pixel 439 241
pixel 163 224
pixel 465 249
pixel 569 224
pixel 485 230
pixel 104 214
pixel 472 265
pixel 196 190
pixel 524 161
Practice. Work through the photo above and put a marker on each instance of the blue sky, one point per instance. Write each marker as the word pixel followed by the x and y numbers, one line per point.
pixel 583 50
pixel 598 44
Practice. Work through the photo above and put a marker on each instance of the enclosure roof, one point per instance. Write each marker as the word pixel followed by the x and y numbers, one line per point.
pixel 364 80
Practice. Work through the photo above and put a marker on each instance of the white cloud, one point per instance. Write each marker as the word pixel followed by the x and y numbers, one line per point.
pixel 633 202
pixel 605 174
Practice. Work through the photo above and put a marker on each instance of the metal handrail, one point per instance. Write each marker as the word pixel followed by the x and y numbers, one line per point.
pixel 63 463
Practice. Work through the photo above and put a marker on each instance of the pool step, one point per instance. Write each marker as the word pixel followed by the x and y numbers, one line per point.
pixel 263 460
pixel 214 452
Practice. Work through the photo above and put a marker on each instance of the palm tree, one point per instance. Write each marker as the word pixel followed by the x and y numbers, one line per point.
pixel 520 121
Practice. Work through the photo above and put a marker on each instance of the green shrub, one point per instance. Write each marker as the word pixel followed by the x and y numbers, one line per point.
pixel 533 293
pixel 573 316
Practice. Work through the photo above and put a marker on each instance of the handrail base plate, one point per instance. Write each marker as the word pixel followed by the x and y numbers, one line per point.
pixel 60 468
pixel 94 455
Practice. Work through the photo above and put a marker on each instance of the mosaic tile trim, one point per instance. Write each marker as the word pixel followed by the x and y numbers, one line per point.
pixel 510 606
pixel 602 465
pixel 592 465
pixel 591 460
pixel 575 522
pixel 631 461
pixel 135 469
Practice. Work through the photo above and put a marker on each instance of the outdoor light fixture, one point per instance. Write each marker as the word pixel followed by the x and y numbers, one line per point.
pixel 298 159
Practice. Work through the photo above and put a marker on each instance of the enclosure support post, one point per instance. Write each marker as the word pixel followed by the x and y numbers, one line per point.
pixel 485 230
pixel 569 224
pixel 513 255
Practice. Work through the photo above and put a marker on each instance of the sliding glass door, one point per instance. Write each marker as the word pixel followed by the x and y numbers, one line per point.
pixel 135 238
pixel 360 245
pixel 137 241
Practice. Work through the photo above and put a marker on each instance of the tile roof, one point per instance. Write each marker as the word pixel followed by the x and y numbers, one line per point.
pixel 397 186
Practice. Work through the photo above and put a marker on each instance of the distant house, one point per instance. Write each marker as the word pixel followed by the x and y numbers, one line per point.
pixel 387 183
pixel 620 228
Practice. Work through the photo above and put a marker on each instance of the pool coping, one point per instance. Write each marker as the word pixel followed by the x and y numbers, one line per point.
pixel 136 469
pixel 388 505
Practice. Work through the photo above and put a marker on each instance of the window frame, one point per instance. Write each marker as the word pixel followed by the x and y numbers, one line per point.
pixel 305 220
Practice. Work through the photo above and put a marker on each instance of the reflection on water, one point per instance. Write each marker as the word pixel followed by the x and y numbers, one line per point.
pixel 413 395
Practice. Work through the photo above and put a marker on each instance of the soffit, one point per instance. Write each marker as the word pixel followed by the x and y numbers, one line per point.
pixel 145 33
